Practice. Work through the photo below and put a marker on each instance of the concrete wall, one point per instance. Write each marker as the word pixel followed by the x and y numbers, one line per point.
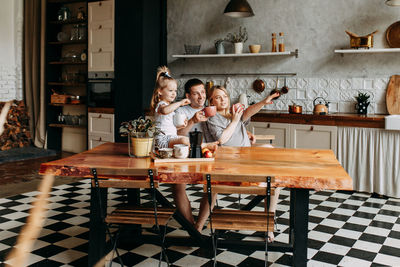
pixel 11 23
pixel 315 27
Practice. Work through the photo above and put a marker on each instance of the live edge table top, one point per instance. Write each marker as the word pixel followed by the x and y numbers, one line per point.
pixel 295 168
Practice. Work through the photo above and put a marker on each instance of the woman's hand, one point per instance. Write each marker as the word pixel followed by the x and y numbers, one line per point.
pixel 184 102
pixel 237 113
pixel 269 99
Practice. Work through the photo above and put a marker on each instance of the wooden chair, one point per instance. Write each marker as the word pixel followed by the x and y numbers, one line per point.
pixel 222 219
pixel 126 215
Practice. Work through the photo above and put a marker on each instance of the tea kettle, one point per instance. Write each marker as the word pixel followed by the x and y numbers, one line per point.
pixel 320 106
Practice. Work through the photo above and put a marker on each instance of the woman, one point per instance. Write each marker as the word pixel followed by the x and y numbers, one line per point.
pixel 228 126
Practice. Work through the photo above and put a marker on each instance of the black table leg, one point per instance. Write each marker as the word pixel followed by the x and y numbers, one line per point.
pixel 299 220
pixel 97 233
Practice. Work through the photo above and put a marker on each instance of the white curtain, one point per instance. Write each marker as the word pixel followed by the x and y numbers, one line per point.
pixel 372 158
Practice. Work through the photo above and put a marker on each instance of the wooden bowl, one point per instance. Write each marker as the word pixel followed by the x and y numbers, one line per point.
pixel 254 48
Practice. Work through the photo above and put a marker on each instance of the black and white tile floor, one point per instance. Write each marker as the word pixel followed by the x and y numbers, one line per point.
pixel 345 229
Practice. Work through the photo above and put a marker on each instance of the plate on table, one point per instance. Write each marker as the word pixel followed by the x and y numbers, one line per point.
pixel 393 35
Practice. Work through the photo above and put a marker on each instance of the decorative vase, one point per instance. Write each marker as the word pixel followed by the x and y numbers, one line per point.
pixel 362 107
pixel 139 147
pixel 220 48
pixel 238 48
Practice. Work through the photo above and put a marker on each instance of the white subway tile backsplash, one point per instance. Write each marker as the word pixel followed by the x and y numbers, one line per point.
pixel 380 108
pixel 301 83
pixel 301 94
pixel 347 107
pixel 323 83
pixel 368 84
pixel 302 91
pixel 345 84
pixel 357 83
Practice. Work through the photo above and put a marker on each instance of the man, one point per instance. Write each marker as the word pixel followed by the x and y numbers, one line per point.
pixel 196 93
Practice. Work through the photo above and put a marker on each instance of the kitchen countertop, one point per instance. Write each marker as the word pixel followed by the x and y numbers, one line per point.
pixel 334 119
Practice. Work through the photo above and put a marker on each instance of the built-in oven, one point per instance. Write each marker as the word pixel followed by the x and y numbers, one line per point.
pixel 101 90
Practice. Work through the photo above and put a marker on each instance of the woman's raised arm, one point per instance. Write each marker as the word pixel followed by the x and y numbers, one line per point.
pixel 253 109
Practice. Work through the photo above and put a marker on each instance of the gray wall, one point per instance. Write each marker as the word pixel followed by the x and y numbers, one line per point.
pixel 315 27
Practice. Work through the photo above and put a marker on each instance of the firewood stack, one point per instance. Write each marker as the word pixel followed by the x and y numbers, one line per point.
pixel 16 129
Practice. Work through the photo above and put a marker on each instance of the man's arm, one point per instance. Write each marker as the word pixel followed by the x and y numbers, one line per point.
pixel 198 117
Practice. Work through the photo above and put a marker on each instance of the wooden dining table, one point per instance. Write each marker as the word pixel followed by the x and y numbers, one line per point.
pixel 300 170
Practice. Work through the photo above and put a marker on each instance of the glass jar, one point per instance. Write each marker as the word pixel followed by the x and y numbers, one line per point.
pixel 64 13
pixel 75 33
pixel 82 33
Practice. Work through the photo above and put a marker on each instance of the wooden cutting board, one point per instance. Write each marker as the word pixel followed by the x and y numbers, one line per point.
pixel 393 95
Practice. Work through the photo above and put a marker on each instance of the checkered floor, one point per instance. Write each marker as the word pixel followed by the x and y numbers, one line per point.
pixel 345 229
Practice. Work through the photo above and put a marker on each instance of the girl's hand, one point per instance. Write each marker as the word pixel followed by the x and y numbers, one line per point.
pixel 185 102
pixel 268 100
pixel 237 114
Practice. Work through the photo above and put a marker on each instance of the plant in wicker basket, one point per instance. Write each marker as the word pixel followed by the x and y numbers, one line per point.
pixel 362 103
pixel 140 134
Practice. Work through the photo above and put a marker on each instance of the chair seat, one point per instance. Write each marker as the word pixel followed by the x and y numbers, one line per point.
pixel 242 220
pixel 139 215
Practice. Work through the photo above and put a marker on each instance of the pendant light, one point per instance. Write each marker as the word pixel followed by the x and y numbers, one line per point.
pixel 392 2
pixel 238 9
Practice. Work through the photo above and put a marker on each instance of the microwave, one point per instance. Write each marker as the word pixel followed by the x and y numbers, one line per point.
pixel 100 93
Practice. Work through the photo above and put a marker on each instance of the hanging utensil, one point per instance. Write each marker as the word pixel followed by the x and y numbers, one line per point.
pixel 284 89
pixel 276 89
pixel 258 85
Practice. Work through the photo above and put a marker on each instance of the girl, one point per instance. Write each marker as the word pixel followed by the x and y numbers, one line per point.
pixel 164 109
pixel 229 128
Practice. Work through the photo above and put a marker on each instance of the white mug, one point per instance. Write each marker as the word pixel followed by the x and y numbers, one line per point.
pixel 181 151
pixel 179 119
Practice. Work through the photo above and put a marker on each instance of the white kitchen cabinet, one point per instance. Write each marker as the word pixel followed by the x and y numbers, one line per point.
pixel 313 136
pixel 100 129
pixel 298 135
pixel 101 36
pixel 279 130
pixel 94 141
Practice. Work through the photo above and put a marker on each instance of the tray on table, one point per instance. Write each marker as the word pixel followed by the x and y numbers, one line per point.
pixel 173 160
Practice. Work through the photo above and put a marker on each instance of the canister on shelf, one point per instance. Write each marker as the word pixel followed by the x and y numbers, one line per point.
pixel 273 48
pixel 281 42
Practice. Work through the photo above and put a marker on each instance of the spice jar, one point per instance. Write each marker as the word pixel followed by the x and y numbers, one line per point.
pixel 281 42
pixel 273 48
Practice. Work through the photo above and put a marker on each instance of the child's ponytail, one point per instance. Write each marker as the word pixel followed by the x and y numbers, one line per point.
pixel 162 78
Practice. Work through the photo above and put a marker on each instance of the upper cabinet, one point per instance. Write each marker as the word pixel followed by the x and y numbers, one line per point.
pixel 101 36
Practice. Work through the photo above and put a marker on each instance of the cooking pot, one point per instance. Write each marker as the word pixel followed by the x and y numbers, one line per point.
pixel 295 109
pixel 320 106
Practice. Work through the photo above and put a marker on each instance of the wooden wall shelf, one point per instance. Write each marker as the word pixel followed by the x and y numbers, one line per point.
pixel 67 63
pixel 67 104
pixel 367 51
pixel 66 84
pixel 66 126
pixel 68 42
pixel 263 54
pixel 69 21
pixel 64 1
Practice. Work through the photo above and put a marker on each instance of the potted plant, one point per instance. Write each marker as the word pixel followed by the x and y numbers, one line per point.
pixel 362 103
pixel 238 39
pixel 140 134
pixel 219 46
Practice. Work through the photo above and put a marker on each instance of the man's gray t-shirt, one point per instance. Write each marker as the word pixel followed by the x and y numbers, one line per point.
pixel 218 123
pixel 189 112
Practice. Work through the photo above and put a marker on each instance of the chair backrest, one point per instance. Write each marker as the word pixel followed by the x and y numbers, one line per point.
pixel 239 184
pixel 125 178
